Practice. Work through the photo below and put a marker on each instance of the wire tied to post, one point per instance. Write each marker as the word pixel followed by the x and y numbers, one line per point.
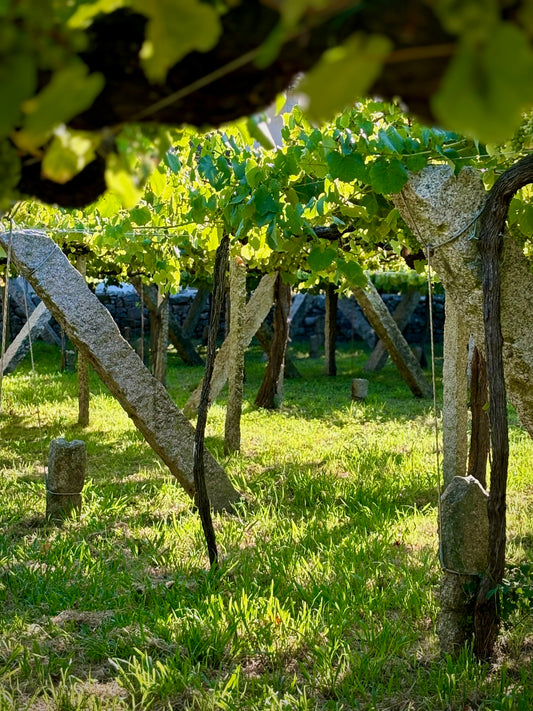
pixel 429 250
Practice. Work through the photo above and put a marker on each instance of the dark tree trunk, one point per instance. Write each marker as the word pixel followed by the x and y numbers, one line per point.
pixel 264 337
pixel 492 221
pixel 201 498
pixel 195 311
pixel 270 392
pixel 330 329
pixel 480 434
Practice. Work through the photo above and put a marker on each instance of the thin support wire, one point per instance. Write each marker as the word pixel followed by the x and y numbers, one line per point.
pixel 35 389
pixel 429 250
pixel 142 323
pixel 5 306
pixel 435 409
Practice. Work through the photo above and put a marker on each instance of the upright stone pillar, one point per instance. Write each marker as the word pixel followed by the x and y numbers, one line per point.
pixel 67 463
pixel 464 533
pixel 455 394
pixel 83 363
pixel 442 208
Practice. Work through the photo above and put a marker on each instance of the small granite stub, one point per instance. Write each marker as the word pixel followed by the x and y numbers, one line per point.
pixel 464 526
pixel 359 388
pixel 67 463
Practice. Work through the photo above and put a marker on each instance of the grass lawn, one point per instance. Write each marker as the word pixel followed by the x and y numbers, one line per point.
pixel 326 594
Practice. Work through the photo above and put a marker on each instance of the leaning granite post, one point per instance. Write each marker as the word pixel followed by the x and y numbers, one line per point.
pixel 94 333
pixel 388 332
pixel 67 462
pixel 21 295
pixel 20 345
pixel 176 334
pixel 464 534
pixel 237 288
pixel 402 315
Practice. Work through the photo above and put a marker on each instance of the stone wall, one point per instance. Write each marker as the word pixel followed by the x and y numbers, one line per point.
pixel 124 305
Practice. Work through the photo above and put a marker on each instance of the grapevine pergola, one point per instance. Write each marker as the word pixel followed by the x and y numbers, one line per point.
pixel 78 77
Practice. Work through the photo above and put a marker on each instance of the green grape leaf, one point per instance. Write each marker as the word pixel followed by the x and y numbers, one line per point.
pixel 347 168
pixel 141 215
pixel 272 236
pixel 207 168
pixel 253 174
pixel 343 74
pixel 390 140
pixel 83 14
pixel 67 155
pixel 293 219
pixel 70 91
pixel 120 182
pixel 175 28
pixel 352 272
pixel 18 79
pixel 388 176
pixel 485 90
pixel 264 202
pixel 416 162
pixel 320 259
pixel 525 219
pixel 172 161
pixel 108 205
pixel 157 182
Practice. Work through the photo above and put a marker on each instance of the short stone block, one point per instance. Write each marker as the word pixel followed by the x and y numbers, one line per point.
pixel 359 388
pixel 464 531
pixel 67 463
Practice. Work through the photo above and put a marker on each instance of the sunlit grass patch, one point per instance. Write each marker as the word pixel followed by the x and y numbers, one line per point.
pixel 326 593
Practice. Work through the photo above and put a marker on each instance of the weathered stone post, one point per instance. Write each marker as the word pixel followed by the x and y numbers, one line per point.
pixel 359 388
pixel 313 346
pixel 388 332
pixel 455 394
pixel 67 463
pixel 83 364
pixel 93 331
pixel 464 533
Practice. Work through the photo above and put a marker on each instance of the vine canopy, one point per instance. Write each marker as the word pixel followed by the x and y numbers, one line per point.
pixel 78 77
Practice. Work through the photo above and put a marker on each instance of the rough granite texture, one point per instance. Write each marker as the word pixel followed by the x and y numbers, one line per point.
pixel 388 332
pixel 93 331
pixel 455 394
pixel 67 464
pixel 455 626
pixel 437 206
pixel 464 530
